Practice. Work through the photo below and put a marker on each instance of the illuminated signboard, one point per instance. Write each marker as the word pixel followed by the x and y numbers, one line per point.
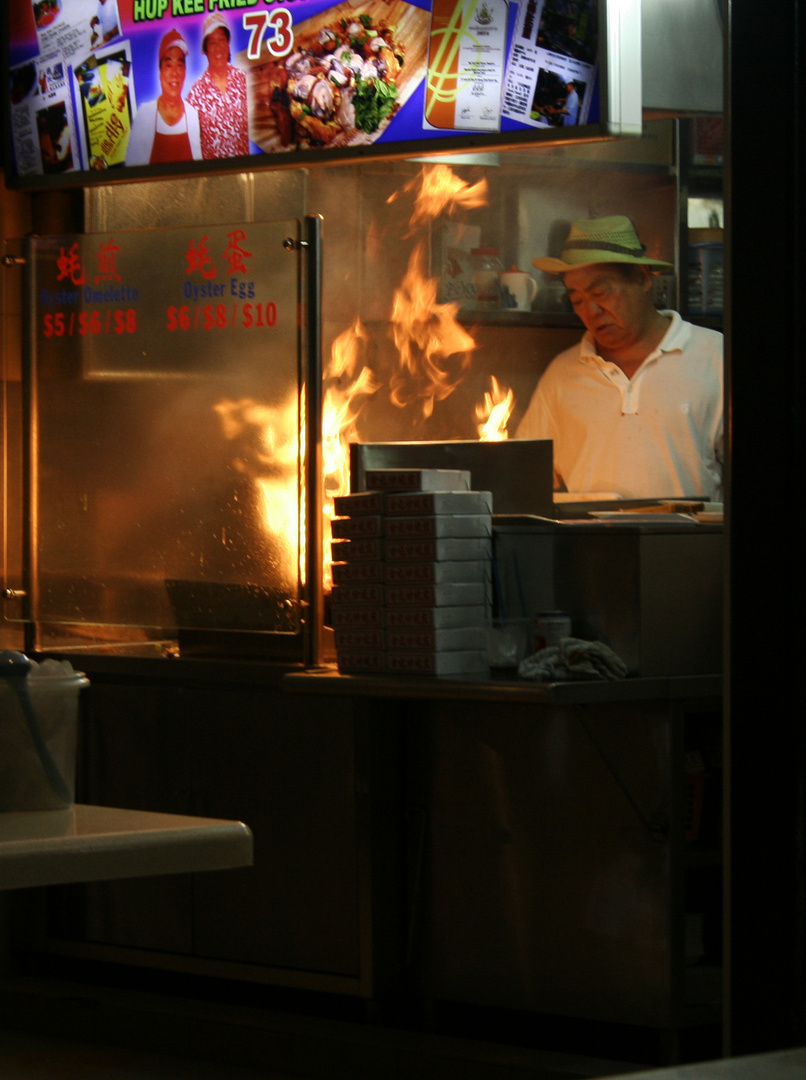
pixel 112 89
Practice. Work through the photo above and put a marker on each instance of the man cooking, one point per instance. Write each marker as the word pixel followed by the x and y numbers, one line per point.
pixel 635 408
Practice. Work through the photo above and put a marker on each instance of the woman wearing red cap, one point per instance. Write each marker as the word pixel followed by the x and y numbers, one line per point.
pixel 220 95
pixel 166 129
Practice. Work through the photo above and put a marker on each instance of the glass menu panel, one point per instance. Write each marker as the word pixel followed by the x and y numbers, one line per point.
pixel 165 413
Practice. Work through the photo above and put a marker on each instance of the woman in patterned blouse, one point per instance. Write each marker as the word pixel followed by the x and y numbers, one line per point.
pixel 220 95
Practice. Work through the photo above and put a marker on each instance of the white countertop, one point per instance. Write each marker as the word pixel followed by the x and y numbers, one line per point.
pixel 776 1065
pixel 98 843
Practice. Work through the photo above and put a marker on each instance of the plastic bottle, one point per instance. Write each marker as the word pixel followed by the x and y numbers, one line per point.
pixel 486 268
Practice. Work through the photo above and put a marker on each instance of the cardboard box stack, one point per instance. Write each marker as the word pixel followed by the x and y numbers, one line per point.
pixel 412 590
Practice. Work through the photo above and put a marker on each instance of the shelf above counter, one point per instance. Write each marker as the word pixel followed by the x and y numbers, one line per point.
pixel 98 843
pixel 560 320
pixel 470 317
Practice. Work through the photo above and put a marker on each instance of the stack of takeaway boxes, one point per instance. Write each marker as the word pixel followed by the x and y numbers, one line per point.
pixel 412 591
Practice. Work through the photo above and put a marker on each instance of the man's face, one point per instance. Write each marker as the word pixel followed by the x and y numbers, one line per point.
pixel 217 48
pixel 172 72
pixel 615 308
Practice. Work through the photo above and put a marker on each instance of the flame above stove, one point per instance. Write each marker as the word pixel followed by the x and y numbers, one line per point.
pixel 440 191
pixel 433 357
pixel 494 412
pixel 433 348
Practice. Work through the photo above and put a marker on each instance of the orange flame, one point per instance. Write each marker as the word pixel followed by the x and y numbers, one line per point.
pixel 426 335
pixel 270 442
pixel 339 413
pixel 268 450
pixel 440 192
pixel 433 358
pixel 340 409
pixel 302 532
pixel 494 412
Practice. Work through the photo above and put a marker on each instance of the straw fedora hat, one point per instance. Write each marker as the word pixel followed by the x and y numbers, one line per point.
pixel 600 240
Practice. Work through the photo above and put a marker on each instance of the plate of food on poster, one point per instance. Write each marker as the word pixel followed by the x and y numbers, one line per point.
pixel 352 67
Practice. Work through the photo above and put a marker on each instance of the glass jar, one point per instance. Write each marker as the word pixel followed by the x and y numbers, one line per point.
pixel 486 268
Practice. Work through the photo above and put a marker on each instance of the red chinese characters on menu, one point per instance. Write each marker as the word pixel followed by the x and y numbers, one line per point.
pixel 237 306
pixel 87 287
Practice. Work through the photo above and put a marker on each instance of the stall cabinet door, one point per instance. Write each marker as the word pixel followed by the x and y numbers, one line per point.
pixel 549 877
pixel 283 765
pixel 135 756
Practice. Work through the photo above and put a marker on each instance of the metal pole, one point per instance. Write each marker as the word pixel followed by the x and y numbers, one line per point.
pixel 30 420
pixel 314 479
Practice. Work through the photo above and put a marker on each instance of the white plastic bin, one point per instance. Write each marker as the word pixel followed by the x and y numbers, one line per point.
pixel 53 688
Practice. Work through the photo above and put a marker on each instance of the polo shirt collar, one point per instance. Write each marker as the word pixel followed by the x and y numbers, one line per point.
pixel 675 339
pixel 678 334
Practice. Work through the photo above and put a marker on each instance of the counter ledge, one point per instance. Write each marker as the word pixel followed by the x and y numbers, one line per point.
pixel 329 680
pixel 98 843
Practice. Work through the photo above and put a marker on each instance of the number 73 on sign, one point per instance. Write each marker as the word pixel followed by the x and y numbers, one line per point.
pixel 279 22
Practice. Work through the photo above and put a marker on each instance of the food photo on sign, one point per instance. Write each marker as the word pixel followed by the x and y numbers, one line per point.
pixel 143 84
pixel 351 69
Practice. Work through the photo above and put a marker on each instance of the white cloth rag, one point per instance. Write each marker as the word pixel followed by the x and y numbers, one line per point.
pixel 573 659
